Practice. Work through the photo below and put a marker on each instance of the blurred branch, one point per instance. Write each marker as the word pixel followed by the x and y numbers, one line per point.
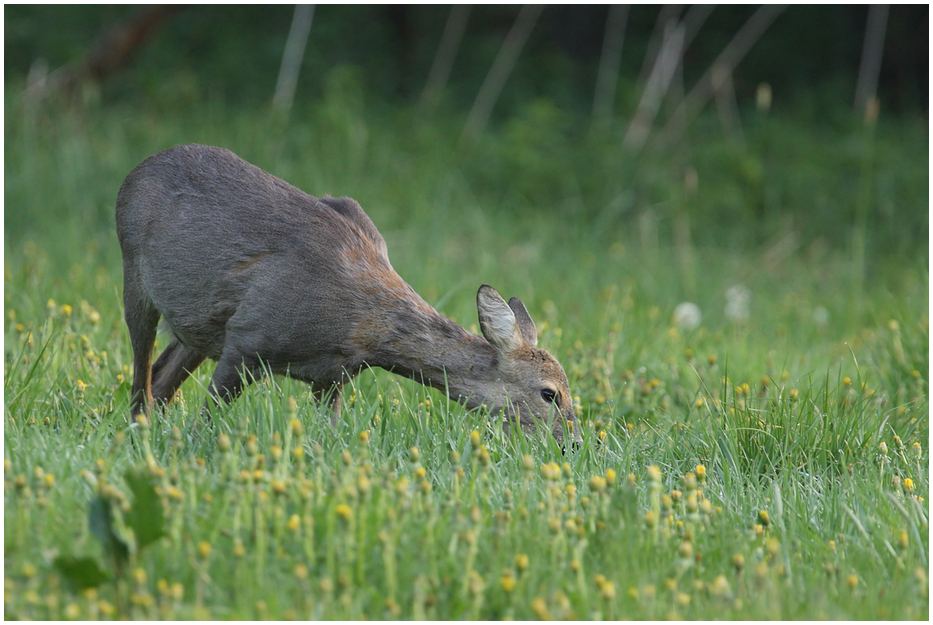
pixel 292 57
pixel 727 106
pixel 644 117
pixel 727 61
pixel 658 82
pixel 446 53
pixel 667 15
pixel 872 49
pixel 112 51
pixel 501 68
pixel 609 62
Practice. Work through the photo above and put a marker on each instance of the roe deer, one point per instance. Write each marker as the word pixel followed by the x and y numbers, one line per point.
pixel 249 271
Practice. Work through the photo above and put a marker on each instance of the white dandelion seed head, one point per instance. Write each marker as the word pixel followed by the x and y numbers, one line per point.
pixel 687 316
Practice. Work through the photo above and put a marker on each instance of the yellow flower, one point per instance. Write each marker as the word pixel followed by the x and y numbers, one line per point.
pixel 507 581
pixel 902 540
pixel 344 511
pixel 521 562
pixel 692 504
pixel 294 522
pixel 690 481
pixel 204 549
pixel 763 518
pixel 654 474
pixel 608 590
pixel 550 471
pixel 484 457
pixel 908 485
pixel 539 607
pixel 720 588
pixel 610 477
pixel 685 550
pixel 72 612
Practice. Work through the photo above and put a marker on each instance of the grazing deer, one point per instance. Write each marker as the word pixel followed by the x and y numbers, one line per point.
pixel 249 271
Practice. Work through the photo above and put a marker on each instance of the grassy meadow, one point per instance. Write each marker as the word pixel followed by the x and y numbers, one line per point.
pixel 768 460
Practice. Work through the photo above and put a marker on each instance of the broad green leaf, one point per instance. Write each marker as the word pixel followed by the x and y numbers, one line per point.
pixel 146 517
pixel 100 522
pixel 81 573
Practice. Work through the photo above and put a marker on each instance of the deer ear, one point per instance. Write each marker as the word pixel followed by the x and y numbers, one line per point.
pixel 497 321
pixel 525 324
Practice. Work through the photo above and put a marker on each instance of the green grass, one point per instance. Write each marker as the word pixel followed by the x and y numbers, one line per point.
pixel 413 507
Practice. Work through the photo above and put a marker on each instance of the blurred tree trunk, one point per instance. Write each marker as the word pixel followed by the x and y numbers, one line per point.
pixel 870 66
pixel 292 57
pixel 667 15
pixel 726 62
pixel 112 51
pixel 446 53
pixel 608 74
pixel 501 69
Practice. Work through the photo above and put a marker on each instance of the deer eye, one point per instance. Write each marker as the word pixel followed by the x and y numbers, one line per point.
pixel 548 395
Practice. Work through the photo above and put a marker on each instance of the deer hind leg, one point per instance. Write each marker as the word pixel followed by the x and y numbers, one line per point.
pixel 172 368
pixel 142 318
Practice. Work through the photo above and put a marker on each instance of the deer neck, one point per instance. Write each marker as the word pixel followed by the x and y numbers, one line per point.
pixel 421 344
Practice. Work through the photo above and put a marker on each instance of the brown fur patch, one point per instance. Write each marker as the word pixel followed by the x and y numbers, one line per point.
pixel 243 265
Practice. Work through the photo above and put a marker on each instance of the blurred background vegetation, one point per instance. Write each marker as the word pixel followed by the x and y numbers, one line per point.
pixel 621 169
pixel 778 160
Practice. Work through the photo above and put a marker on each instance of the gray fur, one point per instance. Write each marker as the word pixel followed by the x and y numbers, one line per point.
pixel 249 271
